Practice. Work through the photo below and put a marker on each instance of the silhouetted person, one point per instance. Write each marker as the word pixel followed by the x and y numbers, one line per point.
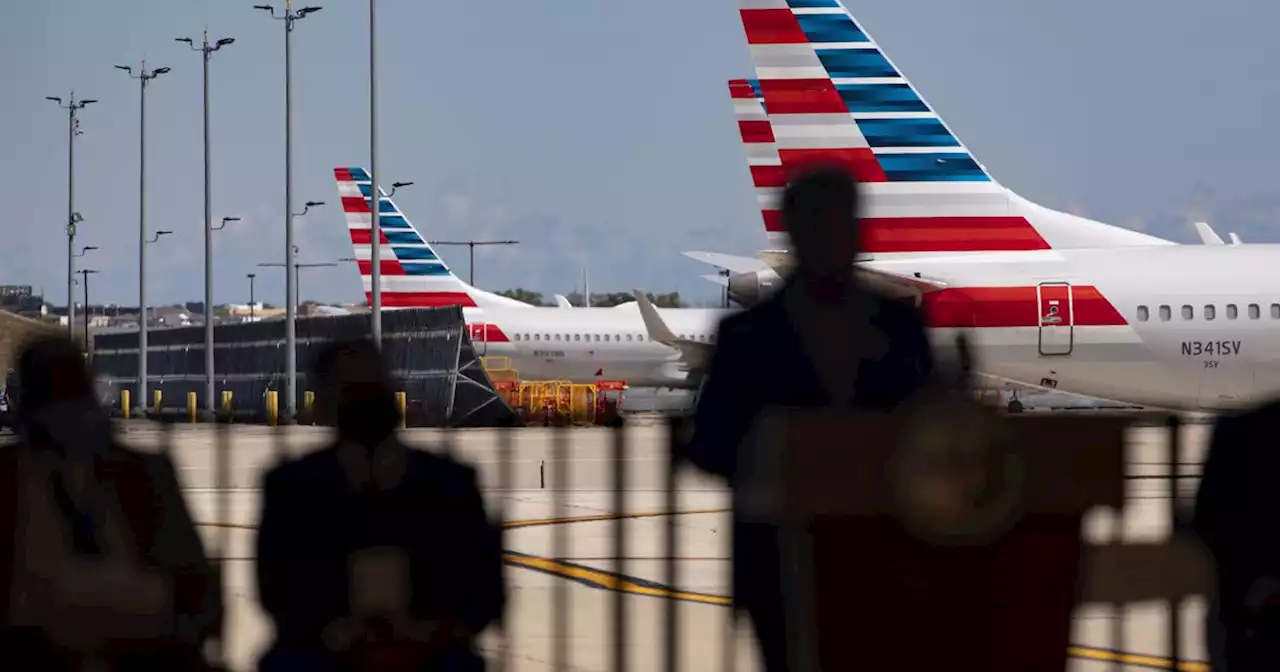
pixel 368 542
pixel 11 388
pixel 99 558
pixel 1237 511
pixel 807 345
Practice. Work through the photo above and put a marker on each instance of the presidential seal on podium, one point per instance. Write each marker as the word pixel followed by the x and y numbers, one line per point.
pixel 953 476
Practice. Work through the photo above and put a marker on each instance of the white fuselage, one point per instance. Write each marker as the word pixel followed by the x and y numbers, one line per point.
pixel 1193 326
pixel 1170 326
pixel 590 344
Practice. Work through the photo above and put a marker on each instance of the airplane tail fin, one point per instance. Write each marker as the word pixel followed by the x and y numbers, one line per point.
pixel 412 274
pixel 829 94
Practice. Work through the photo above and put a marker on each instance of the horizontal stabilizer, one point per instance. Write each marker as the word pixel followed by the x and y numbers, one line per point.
pixel 885 280
pixel 728 262
pixel 1207 235
pixel 562 302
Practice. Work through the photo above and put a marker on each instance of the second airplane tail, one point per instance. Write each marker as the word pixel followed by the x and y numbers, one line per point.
pixel 412 274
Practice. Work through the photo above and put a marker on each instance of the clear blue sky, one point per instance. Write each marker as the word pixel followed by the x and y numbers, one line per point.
pixel 598 132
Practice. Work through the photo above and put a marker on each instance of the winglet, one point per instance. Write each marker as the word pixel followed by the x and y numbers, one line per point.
pixel 658 330
pixel 562 302
pixel 1235 240
pixel 1207 235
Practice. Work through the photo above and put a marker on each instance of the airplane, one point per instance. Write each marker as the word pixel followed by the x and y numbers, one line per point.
pixel 1049 299
pixel 581 345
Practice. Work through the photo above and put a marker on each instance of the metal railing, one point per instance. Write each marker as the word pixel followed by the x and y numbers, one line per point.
pixel 1108 568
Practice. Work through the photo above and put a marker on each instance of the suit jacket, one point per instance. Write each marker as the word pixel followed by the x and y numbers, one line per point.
pixel 1238 504
pixel 157 515
pixel 761 362
pixel 312 521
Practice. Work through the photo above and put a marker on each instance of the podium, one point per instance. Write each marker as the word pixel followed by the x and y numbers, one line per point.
pixel 941 535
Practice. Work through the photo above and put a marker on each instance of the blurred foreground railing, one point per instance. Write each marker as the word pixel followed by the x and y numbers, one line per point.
pixel 1117 573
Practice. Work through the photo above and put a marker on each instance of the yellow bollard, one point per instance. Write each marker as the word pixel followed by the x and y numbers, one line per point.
pixel 191 407
pixel 159 396
pixel 124 404
pixel 308 398
pixel 400 404
pixel 272 397
pixel 226 403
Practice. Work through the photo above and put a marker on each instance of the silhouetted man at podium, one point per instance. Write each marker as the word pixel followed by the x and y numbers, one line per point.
pixel 1236 513
pixel 373 556
pixel 802 347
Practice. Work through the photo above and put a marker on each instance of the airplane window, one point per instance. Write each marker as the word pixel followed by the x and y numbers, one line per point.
pixel 628 337
pixel 1209 312
pixel 1187 313
pixel 546 337
pixel 1254 311
pixel 1165 313
pixel 557 337
pixel 1231 311
pixel 536 337
pixel 639 337
pixel 566 337
pixel 1143 314
pixel 1275 311
pixel 597 337
pixel 575 336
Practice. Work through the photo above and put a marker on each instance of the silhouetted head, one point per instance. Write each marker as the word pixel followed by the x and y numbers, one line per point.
pixel 56 399
pixel 52 371
pixel 820 212
pixel 354 392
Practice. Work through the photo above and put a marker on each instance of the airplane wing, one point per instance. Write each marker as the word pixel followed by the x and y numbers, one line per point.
pixel 717 279
pixel 562 302
pixel 1207 235
pixel 729 262
pixel 694 354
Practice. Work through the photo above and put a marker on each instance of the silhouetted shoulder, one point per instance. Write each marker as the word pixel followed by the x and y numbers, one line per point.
pixel 749 322
pixel 454 477
pixel 892 312
pixel 314 467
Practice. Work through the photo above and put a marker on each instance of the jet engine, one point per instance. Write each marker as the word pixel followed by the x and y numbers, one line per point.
pixel 748 289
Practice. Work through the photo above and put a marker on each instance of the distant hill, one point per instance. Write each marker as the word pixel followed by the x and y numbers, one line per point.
pixel 14 329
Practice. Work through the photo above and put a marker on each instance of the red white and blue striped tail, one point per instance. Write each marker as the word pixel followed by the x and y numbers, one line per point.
pixel 412 274
pixel 825 92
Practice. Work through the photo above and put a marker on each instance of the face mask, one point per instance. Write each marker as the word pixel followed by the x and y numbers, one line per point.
pixel 367 416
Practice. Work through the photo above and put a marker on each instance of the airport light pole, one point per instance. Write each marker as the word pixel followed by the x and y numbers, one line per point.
pixel 297 270
pixel 143 77
pixel 289 17
pixel 142 325
pixel 206 51
pixel 375 199
pixel 472 244
pixel 73 217
pixel 85 273
pixel 251 276
pixel 71 305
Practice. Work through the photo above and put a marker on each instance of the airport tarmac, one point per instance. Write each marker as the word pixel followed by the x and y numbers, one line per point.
pixel 584 578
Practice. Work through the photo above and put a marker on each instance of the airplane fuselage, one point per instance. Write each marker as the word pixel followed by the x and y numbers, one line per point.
pixel 1169 326
pixel 590 344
